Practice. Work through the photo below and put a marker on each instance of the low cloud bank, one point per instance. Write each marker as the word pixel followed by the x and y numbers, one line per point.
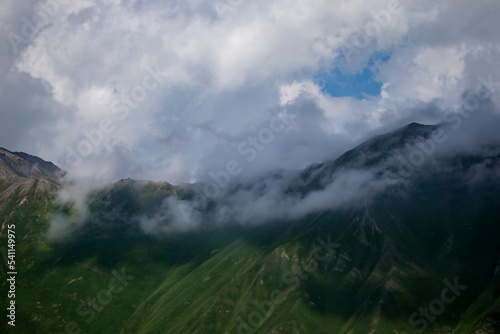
pixel 467 147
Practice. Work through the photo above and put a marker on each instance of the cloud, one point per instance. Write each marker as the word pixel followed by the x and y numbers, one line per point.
pixel 464 147
pixel 76 197
pixel 174 216
pixel 224 74
pixel 268 200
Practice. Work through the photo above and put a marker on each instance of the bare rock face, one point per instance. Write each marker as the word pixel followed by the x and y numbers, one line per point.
pixel 17 165
pixel 20 172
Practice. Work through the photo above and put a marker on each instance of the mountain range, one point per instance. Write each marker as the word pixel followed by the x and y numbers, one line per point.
pixel 398 235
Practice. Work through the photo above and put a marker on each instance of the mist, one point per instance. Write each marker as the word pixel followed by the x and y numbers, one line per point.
pixel 242 184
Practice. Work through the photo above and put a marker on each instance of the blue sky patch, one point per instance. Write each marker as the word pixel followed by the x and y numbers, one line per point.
pixel 358 85
pixel 337 83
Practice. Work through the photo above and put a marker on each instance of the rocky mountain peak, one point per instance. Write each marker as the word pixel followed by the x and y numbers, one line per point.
pixel 18 165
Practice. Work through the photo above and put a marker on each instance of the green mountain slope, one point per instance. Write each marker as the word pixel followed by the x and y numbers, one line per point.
pixel 380 266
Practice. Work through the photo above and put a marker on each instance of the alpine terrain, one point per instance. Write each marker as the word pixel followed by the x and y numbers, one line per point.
pixel 398 235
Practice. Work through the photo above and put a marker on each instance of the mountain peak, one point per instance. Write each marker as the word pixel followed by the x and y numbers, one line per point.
pixel 416 125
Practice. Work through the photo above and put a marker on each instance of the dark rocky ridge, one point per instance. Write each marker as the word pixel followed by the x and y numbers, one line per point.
pixel 18 165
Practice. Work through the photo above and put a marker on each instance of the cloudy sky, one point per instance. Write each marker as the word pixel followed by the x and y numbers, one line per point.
pixel 174 90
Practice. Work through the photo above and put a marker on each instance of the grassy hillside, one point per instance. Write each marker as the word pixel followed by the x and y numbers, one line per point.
pixel 364 270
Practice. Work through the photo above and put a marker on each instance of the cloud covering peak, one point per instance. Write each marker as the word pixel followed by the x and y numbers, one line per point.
pixel 181 89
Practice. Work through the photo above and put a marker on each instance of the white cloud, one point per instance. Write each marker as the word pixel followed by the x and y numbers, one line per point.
pixel 424 74
pixel 227 73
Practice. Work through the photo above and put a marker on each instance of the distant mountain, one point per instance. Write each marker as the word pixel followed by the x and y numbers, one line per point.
pixel 16 165
pixel 373 153
pixel 21 172
pixel 420 256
